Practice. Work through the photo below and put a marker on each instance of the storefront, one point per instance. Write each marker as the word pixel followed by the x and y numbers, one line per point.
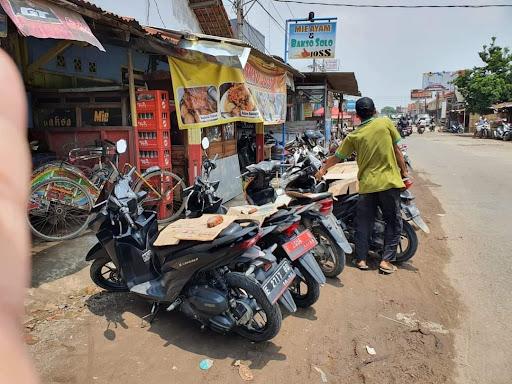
pixel 317 92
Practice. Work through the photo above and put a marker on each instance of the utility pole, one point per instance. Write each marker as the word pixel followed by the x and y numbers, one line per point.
pixel 239 18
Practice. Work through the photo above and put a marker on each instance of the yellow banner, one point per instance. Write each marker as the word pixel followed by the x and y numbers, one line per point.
pixel 208 94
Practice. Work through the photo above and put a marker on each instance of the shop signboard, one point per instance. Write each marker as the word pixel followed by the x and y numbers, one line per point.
pixel 208 94
pixel 420 94
pixel 308 110
pixel 350 105
pixel 312 40
pixel 42 19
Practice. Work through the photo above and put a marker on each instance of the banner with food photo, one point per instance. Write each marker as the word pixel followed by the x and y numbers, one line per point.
pixel 268 87
pixel 208 94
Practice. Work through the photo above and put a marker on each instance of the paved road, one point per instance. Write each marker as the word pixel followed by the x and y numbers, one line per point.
pixel 472 179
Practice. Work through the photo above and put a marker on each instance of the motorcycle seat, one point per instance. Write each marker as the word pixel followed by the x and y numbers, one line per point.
pixel 309 197
pixel 264 166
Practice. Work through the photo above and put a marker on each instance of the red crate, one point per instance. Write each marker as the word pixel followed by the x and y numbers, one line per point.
pixel 150 158
pixel 152 101
pixel 153 121
pixel 154 140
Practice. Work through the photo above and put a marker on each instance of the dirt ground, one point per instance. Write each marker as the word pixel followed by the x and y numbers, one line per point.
pixel 78 333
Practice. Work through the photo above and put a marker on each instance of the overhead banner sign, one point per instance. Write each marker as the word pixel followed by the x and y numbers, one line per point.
pixel 208 94
pixel 420 94
pixel 439 80
pixel 42 19
pixel 268 87
pixel 311 40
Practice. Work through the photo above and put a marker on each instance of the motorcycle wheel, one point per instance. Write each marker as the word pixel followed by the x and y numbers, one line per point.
pixel 408 243
pixel 507 137
pixel 328 254
pixel 243 286
pixel 105 275
pixel 310 296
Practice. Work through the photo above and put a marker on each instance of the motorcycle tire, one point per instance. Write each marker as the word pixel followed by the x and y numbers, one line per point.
pixel 273 314
pixel 412 245
pixel 313 289
pixel 337 255
pixel 507 137
pixel 99 277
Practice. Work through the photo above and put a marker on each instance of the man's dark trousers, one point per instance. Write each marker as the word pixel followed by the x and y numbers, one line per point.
pixel 389 203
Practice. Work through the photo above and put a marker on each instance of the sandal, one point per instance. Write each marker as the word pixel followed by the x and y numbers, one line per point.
pixel 361 267
pixel 388 271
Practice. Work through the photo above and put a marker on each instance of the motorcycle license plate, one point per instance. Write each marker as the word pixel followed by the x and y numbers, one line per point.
pixel 304 242
pixel 278 282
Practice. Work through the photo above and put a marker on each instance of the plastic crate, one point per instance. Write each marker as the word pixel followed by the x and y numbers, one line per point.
pixel 152 101
pixel 153 121
pixel 155 139
pixel 150 158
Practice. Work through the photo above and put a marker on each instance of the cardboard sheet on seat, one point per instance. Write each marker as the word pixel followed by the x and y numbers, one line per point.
pixel 192 229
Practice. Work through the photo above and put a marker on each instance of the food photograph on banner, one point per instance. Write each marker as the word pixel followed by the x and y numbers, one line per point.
pixel 198 104
pixel 311 40
pixel 236 101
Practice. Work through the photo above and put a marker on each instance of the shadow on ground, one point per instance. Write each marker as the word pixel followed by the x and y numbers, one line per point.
pixel 59 260
pixel 176 329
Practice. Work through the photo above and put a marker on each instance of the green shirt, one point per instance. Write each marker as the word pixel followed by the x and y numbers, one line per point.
pixel 373 142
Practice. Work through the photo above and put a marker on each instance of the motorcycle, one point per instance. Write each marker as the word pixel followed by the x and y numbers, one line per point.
pixel 344 210
pixel 421 129
pixel 214 282
pixel 503 132
pixel 332 244
pixel 432 127
pixel 483 130
pixel 279 233
pixel 456 128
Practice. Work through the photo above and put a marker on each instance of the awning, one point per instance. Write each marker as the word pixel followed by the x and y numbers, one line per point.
pixel 343 82
pixel 505 105
pixel 44 20
pixel 335 113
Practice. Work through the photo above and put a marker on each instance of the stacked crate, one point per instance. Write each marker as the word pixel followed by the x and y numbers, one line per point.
pixel 153 127
pixel 154 141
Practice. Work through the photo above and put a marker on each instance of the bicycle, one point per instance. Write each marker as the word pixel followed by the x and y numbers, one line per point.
pixel 62 195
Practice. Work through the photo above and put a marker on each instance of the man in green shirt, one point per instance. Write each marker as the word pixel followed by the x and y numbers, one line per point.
pixel 381 169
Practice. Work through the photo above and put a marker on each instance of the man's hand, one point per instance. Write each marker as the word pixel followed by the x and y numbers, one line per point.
pixel 321 172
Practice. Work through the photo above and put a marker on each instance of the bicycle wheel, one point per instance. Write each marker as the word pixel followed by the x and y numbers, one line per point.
pixel 58 209
pixel 169 202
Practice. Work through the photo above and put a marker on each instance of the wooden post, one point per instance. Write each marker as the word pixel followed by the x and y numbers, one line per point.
pixel 131 89
pixel 134 145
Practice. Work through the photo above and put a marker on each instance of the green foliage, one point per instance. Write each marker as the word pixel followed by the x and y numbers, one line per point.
pixel 489 84
pixel 388 111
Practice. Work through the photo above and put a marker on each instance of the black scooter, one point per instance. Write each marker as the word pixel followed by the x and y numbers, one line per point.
pixel 214 282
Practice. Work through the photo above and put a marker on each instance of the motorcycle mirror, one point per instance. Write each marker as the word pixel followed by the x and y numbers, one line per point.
pixel 205 143
pixel 121 146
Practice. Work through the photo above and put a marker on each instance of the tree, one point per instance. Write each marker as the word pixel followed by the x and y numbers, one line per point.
pixel 388 111
pixel 489 84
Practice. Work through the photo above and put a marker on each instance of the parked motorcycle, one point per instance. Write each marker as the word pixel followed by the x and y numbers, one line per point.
pixel 432 127
pixel 502 132
pixel 483 130
pixel 279 233
pixel 456 128
pixel 332 244
pixel 421 129
pixel 214 282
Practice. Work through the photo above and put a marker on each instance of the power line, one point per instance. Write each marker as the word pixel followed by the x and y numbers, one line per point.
pixel 396 6
pixel 159 15
pixel 273 6
pixel 271 16
pixel 291 12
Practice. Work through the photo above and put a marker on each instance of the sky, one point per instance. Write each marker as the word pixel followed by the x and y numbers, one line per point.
pixel 388 49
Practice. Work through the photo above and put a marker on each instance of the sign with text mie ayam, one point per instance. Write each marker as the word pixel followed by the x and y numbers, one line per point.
pixel 312 40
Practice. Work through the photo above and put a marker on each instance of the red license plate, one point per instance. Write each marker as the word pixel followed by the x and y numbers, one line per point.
pixel 304 242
